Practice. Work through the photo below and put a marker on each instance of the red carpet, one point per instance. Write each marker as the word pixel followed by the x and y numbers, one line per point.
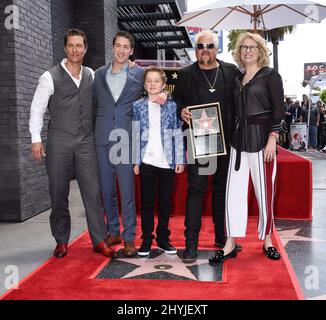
pixel 250 276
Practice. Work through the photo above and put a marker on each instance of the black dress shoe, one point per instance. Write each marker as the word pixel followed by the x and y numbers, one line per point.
pixel 220 257
pixel 61 250
pixel 272 253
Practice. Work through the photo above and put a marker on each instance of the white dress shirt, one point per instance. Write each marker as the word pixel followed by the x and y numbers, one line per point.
pixel 44 91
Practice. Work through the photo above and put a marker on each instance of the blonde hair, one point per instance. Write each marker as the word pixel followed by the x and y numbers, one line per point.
pixel 263 59
pixel 155 69
pixel 207 33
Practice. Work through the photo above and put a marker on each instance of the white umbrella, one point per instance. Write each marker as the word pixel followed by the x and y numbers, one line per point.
pixel 254 14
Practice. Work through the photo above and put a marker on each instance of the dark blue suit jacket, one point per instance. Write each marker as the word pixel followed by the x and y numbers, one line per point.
pixel 112 115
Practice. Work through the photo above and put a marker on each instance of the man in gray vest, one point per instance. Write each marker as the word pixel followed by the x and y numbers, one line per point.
pixel 116 87
pixel 67 90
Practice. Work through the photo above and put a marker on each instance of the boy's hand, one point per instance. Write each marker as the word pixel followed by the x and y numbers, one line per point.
pixel 179 168
pixel 136 170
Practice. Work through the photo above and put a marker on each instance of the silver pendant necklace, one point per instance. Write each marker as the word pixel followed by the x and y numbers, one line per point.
pixel 211 87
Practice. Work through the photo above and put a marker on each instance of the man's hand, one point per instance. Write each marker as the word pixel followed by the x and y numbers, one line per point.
pixel 161 98
pixel 38 151
pixel 186 115
pixel 179 168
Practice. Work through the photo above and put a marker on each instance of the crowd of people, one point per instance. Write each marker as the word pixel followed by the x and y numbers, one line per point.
pixel 103 133
pixel 296 112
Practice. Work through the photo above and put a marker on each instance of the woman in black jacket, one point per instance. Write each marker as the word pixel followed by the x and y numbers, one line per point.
pixel 259 117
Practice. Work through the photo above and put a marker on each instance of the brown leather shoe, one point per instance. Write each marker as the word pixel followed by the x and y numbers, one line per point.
pixel 112 240
pixel 61 250
pixel 105 250
pixel 130 249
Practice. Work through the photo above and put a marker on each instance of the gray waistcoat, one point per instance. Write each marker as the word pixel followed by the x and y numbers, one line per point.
pixel 71 108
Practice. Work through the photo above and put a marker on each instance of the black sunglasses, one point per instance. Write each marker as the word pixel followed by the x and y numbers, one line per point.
pixel 201 46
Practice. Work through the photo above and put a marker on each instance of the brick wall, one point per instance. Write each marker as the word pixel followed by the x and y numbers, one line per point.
pixel 9 160
pixel 111 26
pixel 99 20
pixel 62 19
pixel 92 23
pixel 30 56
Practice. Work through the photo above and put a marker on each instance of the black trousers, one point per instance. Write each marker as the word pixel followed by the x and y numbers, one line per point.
pixel 154 181
pixel 197 188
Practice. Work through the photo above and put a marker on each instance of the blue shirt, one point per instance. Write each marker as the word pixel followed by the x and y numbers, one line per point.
pixel 117 81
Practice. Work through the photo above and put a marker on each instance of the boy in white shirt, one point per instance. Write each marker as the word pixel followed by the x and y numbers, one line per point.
pixel 160 156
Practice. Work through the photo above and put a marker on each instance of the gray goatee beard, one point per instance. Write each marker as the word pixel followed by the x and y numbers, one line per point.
pixel 209 62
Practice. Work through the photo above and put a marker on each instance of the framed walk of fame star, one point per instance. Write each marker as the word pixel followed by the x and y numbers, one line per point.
pixel 206 130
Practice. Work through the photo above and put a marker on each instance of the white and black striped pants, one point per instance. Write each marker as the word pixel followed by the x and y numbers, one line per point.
pixel 263 177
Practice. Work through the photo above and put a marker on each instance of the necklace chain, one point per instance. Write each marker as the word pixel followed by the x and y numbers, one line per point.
pixel 211 87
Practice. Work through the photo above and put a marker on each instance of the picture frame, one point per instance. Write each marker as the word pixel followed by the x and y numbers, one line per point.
pixel 206 130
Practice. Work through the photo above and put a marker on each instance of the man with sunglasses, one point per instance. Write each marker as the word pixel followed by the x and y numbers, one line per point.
pixel 208 80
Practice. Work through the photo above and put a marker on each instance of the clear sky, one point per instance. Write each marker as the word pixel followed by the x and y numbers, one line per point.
pixel 306 44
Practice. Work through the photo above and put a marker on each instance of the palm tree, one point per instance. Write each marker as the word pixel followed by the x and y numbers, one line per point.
pixel 274 36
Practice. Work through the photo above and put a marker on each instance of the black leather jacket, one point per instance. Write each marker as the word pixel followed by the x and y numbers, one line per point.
pixel 259 110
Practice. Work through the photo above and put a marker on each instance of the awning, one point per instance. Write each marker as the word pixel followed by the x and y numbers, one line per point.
pixel 151 22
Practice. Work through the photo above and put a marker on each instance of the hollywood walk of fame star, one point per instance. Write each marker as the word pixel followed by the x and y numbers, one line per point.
pixel 164 262
pixel 205 123
pixel 290 235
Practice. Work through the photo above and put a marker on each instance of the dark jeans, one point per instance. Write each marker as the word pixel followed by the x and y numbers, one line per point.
pixel 313 136
pixel 197 188
pixel 152 179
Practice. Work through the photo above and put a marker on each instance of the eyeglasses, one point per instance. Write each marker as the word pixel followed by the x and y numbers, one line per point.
pixel 201 46
pixel 251 48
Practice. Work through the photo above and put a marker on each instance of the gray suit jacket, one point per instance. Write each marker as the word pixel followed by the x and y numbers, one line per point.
pixel 112 115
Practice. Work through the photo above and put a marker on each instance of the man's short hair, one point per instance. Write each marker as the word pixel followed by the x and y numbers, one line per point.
pixel 209 33
pixel 126 35
pixel 75 32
